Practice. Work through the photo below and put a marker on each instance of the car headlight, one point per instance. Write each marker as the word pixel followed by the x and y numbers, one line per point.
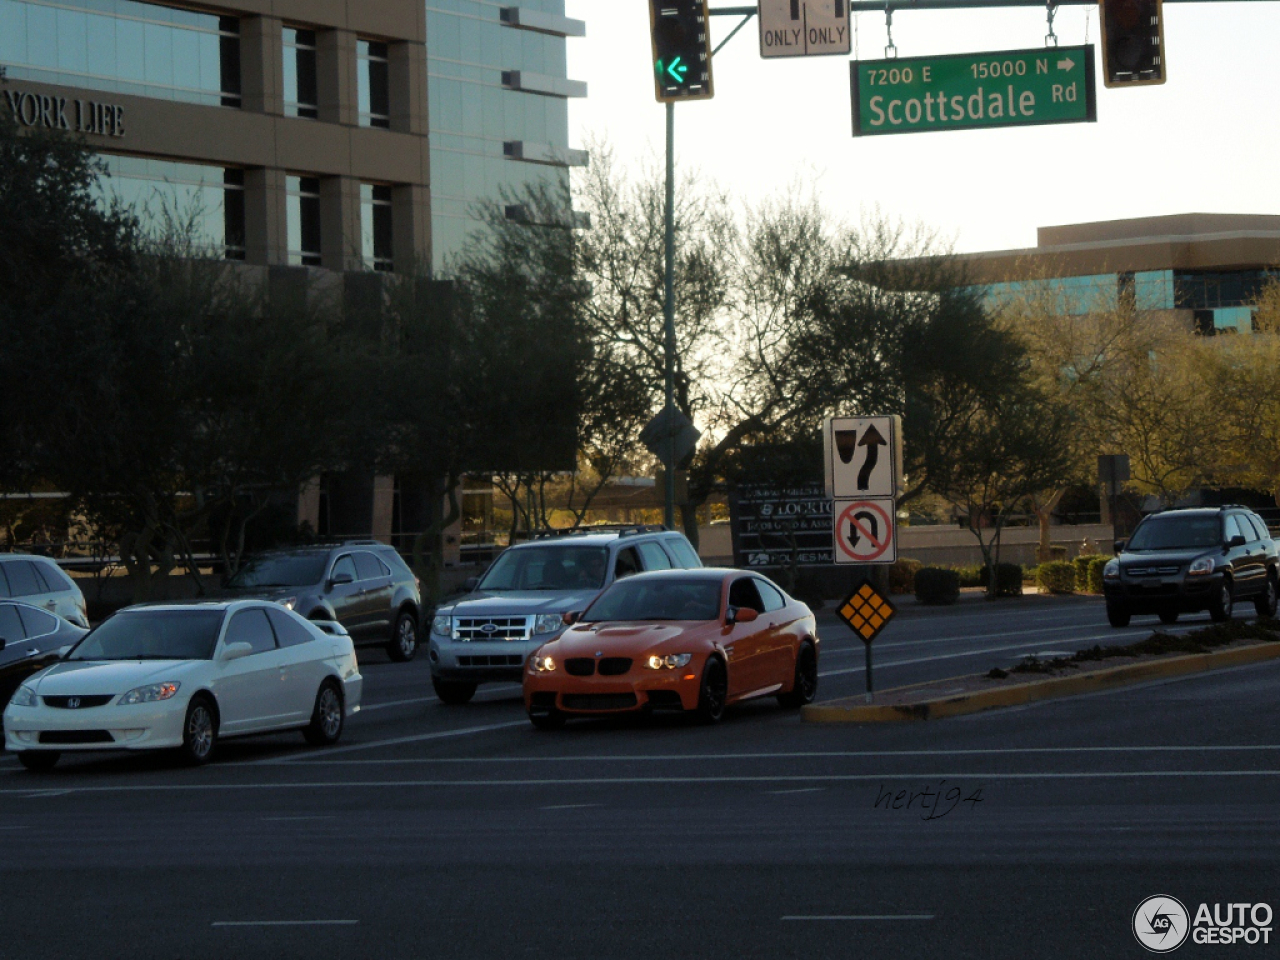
pixel 442 626
pixel 671 661
pixel 288 602
pixel 24 697
pixel 151 693
pixel 541 663
pixel 1112 570
pixel 1201 566
pixel 547 623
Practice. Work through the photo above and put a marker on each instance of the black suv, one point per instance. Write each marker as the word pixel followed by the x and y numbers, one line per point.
pixel 363 584
pixel 1178 561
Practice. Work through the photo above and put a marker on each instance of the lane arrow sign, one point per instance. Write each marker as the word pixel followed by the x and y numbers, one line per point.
pixel 872 440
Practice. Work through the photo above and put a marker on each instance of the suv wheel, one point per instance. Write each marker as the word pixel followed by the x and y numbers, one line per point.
pixel 1221 606
pixel 1117 614
pixel 453 692
pixel 404 638
pixel 1265 602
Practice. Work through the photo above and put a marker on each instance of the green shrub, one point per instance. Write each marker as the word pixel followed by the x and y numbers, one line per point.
pixel 1008 580
pixel 1096 565
pixel 937 585
pixel 1082 571
pixel 975 576
pixel 1057 576
pixel 902 575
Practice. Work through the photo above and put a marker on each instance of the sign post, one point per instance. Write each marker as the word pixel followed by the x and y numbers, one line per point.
pixel 866 613
pixel 967 91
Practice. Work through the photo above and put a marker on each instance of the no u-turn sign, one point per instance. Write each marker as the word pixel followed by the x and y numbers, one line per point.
pixel 865 531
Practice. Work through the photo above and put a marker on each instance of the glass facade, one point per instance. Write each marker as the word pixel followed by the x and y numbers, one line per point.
pixel 123 47
pixel 302 219
pixel 472 114
pixel 206 202
pixel 300 86
pixel 375 226
pixel 373 83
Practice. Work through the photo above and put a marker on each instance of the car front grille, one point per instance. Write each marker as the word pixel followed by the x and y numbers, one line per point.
pixel 492 628
pixel 614 666
pixel 64 703
pixel 598 701
pixel 497 660
pixel 1167 570
pixel 580 666
pixel 68 737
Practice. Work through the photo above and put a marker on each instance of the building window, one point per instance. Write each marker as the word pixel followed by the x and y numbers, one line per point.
pixel 142 49
pixel 375 226
pixel 205 203
pixel 300 98
pixel 303 216
pixel 374 84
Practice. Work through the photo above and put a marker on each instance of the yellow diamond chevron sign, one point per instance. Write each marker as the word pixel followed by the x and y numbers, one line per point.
pixel 866 612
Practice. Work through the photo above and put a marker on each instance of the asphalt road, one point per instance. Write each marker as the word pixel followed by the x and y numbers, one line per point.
pixel 433 831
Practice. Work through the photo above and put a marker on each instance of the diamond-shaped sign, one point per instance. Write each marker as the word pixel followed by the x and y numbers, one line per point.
pixel 866 611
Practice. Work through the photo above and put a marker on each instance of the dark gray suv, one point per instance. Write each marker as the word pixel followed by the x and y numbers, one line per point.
pixel 1179 561
pixel 362 584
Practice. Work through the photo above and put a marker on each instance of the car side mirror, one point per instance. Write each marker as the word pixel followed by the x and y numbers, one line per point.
pixel 470 584
pixel 741 615
pixel 1237 541
pixel 1119 545
pixel 235 651
pixel 570 617
pixel 338 578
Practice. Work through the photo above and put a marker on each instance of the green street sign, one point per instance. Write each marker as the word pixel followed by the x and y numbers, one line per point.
pixel 967 91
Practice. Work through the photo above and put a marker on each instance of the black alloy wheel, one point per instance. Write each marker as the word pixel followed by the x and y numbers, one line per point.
pixel 1221 607
pixel 325 728
pixel 713 691
pixel 1118 614
pixel 404 638
pixel 453 692
pixel 805 685
pixel 38 760
pixel 1169 615
pixel 1265 602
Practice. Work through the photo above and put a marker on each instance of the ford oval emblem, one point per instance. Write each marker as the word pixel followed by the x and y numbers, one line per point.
pixel 489 628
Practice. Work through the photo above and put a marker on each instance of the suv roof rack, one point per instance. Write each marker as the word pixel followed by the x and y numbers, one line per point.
pixel 621 529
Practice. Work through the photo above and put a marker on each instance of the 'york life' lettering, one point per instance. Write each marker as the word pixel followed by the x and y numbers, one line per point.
pixel 59 113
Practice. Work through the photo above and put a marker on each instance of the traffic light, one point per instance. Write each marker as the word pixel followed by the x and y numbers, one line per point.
pixel 1132 42
pixel 681 50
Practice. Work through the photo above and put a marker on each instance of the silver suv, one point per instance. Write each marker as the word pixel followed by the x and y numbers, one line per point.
pixel 41 582
pixel 362 584
pixel 519 603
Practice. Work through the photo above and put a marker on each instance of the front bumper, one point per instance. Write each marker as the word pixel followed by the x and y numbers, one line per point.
pixel 134 727
pixel 1153 594
pixel 639 689
pixel 478 661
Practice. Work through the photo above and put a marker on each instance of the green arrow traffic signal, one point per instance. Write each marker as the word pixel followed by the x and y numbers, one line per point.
pixel 675 69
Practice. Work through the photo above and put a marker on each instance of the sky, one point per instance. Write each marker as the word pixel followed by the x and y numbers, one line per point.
pixel 1206 141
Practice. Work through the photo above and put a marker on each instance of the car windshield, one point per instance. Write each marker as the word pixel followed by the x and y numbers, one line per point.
pixel 152 635
pixel 551 567
pixel 280 570
pixel 657 600
pixel 1172 533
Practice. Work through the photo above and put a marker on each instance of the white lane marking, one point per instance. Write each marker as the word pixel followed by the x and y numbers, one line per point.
pixel 569 806
pixel 954 638
pixel 945 656
pixel 679 781
pixel 804 755
pixel 883 916
pixel 41 794
pixel 396 741
pixel 502 692
pixel 284 923
pixel 782 793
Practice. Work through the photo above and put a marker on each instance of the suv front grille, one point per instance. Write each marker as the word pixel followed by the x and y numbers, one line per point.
pixel 492 628
pixel 1164 570
pixel 497 660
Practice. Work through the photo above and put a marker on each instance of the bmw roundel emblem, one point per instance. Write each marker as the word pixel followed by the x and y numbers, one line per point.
pixel 599 653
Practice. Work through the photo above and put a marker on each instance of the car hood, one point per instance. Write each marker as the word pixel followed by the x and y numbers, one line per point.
pixel 1146 558
pixel 613 639
pixel 101 677
pixel 523 603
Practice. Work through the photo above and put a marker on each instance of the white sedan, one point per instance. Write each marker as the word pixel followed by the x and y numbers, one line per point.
pixel 181 676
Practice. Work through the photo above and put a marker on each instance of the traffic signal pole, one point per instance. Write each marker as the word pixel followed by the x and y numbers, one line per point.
pixel 669 319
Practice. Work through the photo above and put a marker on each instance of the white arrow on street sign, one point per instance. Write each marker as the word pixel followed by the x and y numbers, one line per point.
pixel 803 28
pixel 863 456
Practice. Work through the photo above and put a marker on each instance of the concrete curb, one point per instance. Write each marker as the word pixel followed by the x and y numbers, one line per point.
pixel 853 710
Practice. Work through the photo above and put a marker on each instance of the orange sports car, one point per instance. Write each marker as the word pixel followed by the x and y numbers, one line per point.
pixel 691 640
